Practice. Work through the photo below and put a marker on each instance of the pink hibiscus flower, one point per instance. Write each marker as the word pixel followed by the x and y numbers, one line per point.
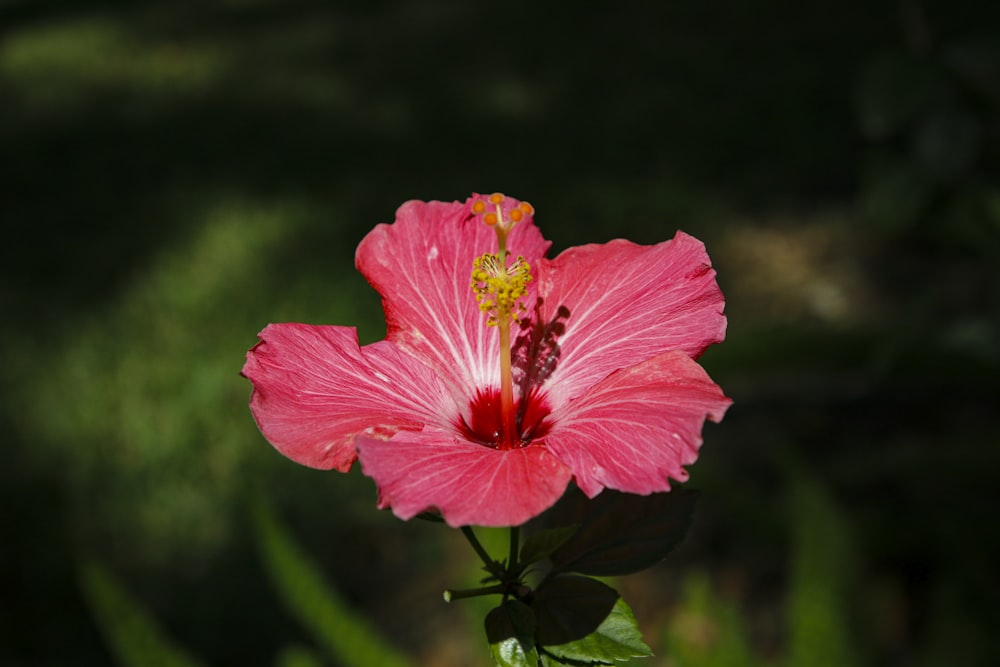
pixel 484 403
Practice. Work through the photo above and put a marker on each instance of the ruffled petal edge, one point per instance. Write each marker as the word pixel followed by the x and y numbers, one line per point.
pixel 315 389
pixel 469 484
pixel 621 300
pixel 639 426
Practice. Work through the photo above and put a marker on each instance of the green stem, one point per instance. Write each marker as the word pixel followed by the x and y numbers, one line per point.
pixel 490 564
pixel 450 595
pixel 515 535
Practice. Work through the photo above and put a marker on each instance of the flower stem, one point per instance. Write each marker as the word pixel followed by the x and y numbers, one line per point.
pixel 490 564
pixel 515 546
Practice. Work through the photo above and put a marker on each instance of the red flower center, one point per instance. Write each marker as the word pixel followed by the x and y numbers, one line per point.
pixel 486 423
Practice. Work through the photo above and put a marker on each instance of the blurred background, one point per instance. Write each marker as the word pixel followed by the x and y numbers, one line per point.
pixel 175 175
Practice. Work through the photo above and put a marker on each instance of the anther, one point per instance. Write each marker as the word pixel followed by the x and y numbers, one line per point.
pixel 499 288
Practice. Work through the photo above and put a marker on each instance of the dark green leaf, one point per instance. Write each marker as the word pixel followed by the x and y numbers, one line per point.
pixel 510 630
pixel 541 544
pixel 581 619
pixel 624 533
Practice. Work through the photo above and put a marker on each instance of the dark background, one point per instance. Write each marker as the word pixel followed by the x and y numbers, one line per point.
pixel 177 174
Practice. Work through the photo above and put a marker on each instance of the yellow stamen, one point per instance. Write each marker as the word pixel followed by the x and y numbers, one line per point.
pixel 499 288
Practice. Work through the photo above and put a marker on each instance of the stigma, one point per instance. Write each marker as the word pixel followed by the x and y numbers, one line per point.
pixel 501 212
pixel 498 283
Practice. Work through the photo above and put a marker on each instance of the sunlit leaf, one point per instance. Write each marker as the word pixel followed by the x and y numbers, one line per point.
pixel 581 619
pixel 510 630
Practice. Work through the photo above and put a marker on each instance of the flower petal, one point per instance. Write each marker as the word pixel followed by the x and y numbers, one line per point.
pixel 638 426
pixel 422 266
pixel 469 484
pixel 315 390
pixel 621 301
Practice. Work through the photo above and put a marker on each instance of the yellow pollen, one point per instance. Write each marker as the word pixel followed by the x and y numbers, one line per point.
pixel 491 219
pixel 496 198
pixel 479 206
pixel 498 288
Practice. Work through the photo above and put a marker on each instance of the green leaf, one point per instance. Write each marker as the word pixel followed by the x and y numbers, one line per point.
pixel 297 656
pixel 133 636
pixel 624 533
pixel 342 632
pixel 823 569
pixel 510 630
pixel 583 620
pixel 541 544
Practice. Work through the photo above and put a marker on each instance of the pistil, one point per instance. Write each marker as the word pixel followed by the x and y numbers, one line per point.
pixel 507 412
pixel 498 288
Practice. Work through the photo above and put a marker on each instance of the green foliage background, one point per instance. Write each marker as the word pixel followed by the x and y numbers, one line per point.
pixel 176 175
